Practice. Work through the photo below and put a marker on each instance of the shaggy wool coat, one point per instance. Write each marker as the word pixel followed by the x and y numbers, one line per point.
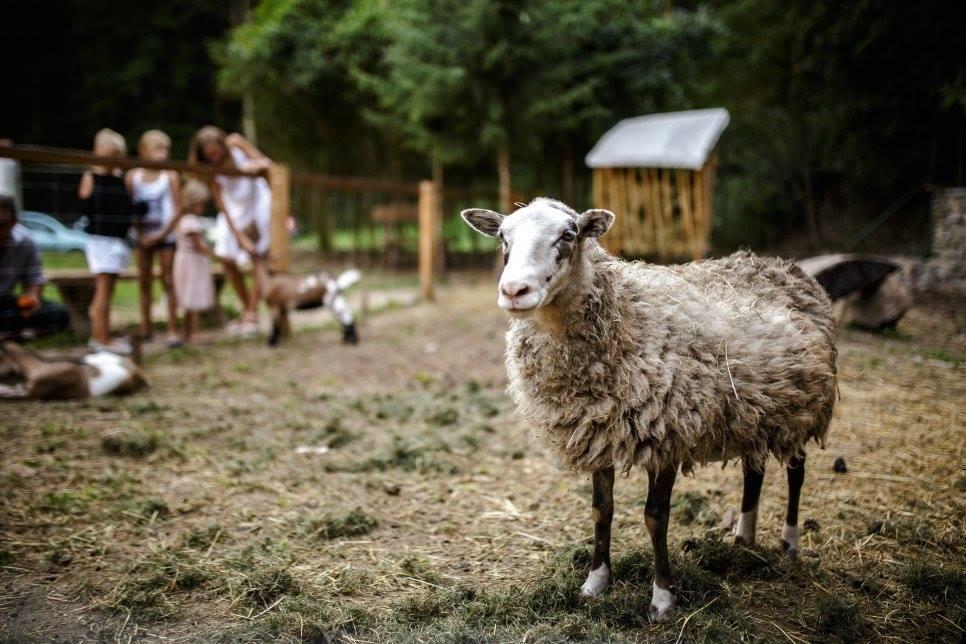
pixel 688 364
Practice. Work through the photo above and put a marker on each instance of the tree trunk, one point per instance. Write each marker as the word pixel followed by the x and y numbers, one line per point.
pixel 248 118
pixel 440 243
pixel 811 215
pixel 437 172
pixel 567 176
pixel 503 171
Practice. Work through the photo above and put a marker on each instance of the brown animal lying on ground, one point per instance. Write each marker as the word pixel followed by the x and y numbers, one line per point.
pixel 283 292
pixel 867 291
pixel 48 378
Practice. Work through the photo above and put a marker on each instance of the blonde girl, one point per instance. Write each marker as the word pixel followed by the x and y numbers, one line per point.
pixel 155 192
pixel 105 201
pixel 244 204
pixel 192 265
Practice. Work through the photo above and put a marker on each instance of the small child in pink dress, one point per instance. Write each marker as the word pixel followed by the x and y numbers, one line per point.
pixel 192 265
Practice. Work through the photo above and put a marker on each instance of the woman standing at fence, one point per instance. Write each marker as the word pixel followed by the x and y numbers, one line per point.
pixel 105 201
pixel 245 205
pixel 156 191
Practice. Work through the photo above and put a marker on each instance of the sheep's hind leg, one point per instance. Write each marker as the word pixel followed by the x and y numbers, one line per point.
pixel 745 530
pixel 796 477
pixel 656 514
pixel 599 578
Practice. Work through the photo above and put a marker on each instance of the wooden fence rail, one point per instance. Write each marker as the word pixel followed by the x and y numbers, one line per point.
pixel 282 181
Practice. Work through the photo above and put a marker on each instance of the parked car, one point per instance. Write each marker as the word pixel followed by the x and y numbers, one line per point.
pixel 51 235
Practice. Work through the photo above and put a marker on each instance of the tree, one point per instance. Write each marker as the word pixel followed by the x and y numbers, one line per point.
pixel 297 59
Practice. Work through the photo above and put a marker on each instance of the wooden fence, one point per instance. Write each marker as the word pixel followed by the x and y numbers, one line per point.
pixel 379 217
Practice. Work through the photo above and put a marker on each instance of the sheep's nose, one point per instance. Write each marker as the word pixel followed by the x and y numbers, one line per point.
pixel 514 290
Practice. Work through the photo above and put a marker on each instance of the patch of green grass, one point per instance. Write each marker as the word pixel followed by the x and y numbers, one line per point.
pixel 929 582
pixel 727 560
pixel 148 586
pixel 6 557
pixel 329 527
pixel 335 434
pixel 693 507
pixel 203 538
pixel 136 444
pixel 905 531
pixel 402 455
pixel 943 355
pixel 62 503
pixel 265 586
pixel 839 618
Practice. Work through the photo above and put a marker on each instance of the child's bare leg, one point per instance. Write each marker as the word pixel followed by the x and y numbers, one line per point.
pixel 190 324
pixel 252 309
pixel 237 281
pixel 167 281
pixel 145 260
pixel 100 310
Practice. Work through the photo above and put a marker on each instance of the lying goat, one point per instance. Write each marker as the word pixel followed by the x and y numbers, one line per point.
pixel 96 374
pixel 283 292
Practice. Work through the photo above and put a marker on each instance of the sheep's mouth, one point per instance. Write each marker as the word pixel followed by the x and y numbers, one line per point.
pixel 519 311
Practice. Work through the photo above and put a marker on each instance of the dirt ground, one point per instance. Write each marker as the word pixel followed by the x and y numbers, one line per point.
pixel 200 510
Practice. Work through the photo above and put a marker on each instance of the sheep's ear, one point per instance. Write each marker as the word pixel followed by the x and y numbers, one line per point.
pixel 595 222
pixel 485 222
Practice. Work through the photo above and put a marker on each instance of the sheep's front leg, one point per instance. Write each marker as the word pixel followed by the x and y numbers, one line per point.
pixel 603 506
pixel 747 522
pixel 657 511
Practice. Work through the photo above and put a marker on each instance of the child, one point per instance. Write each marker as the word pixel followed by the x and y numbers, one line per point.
pixel 192 270
pixel 105 200
pixel 245 205
pixel 157 192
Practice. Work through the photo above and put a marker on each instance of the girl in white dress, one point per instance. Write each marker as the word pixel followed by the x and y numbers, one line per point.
pixel 245 208
pixel 156 192
pixel 192 264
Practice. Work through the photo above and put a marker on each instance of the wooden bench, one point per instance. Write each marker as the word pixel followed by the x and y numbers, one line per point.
pixel 76 287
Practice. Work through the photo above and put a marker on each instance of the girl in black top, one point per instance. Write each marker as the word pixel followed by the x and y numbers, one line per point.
pixel 105 200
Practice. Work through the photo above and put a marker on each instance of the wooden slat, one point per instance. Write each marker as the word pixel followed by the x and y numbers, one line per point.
pixel 354 184
pixel 656 210
pixel 688 231
pixel 279 178
pixel 54 156
pixel 430 210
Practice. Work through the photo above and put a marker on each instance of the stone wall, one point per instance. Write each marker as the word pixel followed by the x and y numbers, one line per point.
pixel 945 270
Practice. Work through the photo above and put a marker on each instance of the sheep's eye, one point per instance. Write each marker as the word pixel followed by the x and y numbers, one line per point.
pixel 568 235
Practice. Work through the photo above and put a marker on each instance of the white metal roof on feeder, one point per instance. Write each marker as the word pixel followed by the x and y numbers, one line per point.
pixel 668 140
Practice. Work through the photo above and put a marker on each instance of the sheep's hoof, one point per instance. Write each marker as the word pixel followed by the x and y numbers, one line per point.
pixel 662 604
pixel 742 541
pixel 598 581
pixel 790 551
pixel 789 542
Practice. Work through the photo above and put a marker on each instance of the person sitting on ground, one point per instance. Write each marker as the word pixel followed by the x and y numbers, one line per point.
pixel 105 201
pixel 25 314
pixel 192 264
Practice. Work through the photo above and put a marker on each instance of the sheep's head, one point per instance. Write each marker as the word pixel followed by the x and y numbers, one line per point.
pixel 540 244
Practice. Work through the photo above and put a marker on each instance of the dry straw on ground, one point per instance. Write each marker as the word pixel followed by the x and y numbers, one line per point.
pixel 186 513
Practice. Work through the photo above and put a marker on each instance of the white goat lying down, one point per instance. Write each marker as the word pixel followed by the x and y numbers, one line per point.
pixel 283 292
pixel 96 374
pixel 622 364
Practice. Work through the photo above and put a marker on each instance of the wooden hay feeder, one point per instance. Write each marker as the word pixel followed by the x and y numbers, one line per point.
pixel 656 173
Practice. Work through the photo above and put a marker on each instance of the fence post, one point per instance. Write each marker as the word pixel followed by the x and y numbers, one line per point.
pixel 430 216
pixel 280 180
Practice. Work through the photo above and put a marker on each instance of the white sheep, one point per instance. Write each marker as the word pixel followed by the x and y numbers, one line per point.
pixel 622 364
